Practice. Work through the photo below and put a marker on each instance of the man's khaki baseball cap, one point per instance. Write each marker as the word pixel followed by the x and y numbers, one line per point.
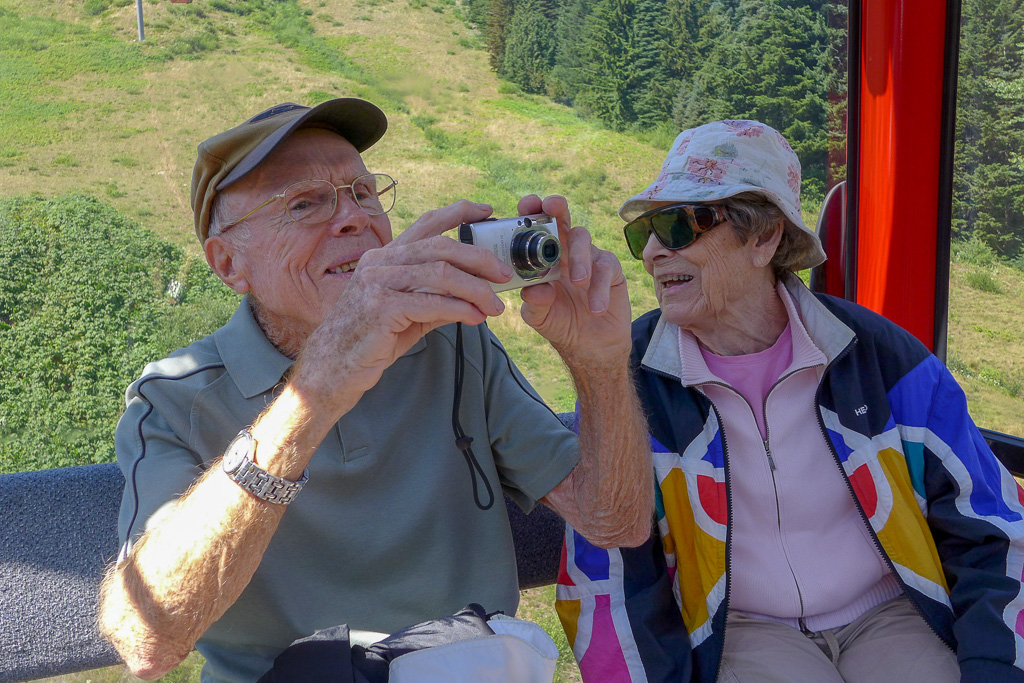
pixel 228 156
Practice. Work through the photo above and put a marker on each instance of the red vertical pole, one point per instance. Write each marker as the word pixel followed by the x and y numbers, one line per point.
pixel 903 46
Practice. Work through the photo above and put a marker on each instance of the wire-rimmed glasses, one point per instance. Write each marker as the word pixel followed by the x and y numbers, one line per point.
pixel 311 202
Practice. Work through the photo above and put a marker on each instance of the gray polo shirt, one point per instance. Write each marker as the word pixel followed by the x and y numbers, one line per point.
pixel 386 532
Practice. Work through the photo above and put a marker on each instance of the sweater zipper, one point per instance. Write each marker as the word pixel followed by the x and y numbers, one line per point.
pixel 778 504
pixel 874 537
pixel 728 500
pixel 764 414
pixel 775 487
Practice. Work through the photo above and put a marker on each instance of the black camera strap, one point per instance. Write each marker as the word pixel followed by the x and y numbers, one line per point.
pixel 462 441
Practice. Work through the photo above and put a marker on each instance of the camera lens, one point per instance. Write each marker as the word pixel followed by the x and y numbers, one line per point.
pixel 533 250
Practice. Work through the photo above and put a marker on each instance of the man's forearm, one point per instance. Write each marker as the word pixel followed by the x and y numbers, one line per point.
pixel 609 496
pixel 184 573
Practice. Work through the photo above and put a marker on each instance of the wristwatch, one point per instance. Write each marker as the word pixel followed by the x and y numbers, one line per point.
pixel 238 464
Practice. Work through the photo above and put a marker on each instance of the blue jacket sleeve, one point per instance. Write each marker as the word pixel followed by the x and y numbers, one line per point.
pixel 975 512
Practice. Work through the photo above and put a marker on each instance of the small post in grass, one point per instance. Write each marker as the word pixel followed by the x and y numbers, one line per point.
pixel 142 31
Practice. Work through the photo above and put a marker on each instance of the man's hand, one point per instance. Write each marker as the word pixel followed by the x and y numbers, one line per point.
pixel 420 281
pixel 586 313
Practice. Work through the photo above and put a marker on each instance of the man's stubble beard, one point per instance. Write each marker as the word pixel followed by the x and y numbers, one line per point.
pixel 286 335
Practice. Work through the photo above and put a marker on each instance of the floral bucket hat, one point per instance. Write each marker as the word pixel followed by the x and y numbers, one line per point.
pixel 726 158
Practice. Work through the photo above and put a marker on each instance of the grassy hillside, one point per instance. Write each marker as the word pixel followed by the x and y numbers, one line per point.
pixel 86 109
pixel 986 336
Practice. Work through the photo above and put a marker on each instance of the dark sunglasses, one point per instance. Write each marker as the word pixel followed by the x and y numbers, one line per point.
pixel 676 226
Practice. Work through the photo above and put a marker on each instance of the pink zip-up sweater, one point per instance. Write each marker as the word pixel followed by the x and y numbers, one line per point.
pixel 801 554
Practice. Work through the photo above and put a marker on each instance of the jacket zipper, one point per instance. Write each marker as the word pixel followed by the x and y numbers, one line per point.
pixel 874 537
pixel 728 537
pixel 728 520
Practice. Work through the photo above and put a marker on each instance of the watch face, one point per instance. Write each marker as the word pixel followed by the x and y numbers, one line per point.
pixel 236 453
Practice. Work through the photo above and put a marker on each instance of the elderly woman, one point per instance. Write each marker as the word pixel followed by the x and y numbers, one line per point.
pixel 827 510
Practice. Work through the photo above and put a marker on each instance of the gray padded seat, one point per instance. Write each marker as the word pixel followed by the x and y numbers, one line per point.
pixel 58 531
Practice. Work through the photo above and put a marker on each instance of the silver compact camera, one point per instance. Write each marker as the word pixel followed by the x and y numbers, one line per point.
pixel 527 243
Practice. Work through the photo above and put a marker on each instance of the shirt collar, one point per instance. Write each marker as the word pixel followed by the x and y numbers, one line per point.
pixel 255 365
pixel 806 354
pixel 251 360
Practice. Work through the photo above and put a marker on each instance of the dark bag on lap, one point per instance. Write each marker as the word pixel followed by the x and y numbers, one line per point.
pixel 329 656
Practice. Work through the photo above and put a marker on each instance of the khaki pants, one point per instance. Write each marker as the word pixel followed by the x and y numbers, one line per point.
pixel 889 643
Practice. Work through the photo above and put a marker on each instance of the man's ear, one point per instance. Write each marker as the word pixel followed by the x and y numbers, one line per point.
pixel 766 245
pixel 226 260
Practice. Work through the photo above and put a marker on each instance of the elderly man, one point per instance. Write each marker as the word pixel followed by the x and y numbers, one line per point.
pixel 337 376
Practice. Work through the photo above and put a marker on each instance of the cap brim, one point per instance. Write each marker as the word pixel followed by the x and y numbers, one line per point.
pixel 358 121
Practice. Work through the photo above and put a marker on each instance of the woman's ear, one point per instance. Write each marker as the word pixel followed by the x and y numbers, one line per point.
pixel 227 261
pixel 766 245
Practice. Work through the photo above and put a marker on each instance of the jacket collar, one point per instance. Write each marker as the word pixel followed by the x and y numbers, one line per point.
pixel 255 365
pixel 826 331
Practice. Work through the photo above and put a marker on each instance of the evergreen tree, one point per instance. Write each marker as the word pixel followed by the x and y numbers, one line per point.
pixel 685 42
pixel 767 62
pixel 653 85
pixel 529 46
pixel 609 51
pixel 476 12
pixel 499 14
pixel 837 91
pixel 569 74
pixel 988 181
pixel 705 84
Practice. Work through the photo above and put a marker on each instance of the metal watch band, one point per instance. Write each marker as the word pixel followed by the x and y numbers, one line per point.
pixel 266 486
pixel 238 464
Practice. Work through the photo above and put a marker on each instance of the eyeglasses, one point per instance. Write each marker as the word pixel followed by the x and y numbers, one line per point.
pixel 676 226
pixel 314 201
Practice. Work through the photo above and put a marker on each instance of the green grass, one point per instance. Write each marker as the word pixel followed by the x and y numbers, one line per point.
pixel 986 336
pixel 535 107
pixel 39 55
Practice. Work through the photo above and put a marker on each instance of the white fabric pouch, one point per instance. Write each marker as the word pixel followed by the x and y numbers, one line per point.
pixel 518 652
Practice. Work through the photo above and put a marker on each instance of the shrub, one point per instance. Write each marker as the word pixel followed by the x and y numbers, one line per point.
pixel 509 88
pixel 983 281
pixel 974 251
pixel 195 43
pixel 83 307
pixel 1017 263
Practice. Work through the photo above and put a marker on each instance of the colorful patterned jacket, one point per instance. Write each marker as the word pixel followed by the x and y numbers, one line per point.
pixel 948 517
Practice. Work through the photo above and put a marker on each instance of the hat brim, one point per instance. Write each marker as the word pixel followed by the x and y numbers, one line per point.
pixel 358 121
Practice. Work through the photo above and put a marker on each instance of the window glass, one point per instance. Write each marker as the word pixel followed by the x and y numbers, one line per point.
pixel 986 299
